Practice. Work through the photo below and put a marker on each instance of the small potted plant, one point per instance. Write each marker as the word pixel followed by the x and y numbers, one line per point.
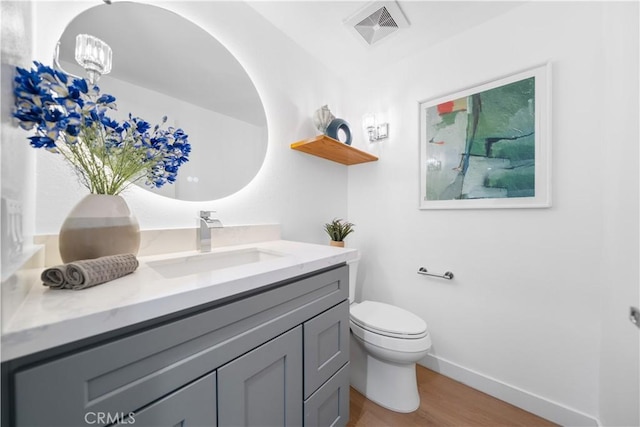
pixel 338 229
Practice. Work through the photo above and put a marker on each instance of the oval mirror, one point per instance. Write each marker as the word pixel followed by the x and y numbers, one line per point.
pixel 165 65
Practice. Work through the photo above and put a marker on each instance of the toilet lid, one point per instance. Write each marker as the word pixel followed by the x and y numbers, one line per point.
pixel 387 319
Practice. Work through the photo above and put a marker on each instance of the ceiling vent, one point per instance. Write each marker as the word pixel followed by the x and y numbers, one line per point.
pixel 377 21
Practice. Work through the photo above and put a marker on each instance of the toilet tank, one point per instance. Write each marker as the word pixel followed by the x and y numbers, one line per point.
pixel 353 274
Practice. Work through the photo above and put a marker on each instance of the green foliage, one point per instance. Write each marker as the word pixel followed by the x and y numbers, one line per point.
pixel 338 229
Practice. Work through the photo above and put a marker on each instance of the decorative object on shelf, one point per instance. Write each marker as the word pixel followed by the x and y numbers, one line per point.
pixel 99 225
pixel 338 230
pixel 337 128
pixel 497 156
pixel 322 117
pixel 331 126
pixel 375 130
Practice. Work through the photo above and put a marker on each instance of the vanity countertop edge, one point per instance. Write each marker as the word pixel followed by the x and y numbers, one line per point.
pixel 49 318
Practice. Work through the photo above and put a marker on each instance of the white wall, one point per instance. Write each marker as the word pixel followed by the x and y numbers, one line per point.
pixel 18 160
pixel 620 353
pixel 524 316
pixel 297 190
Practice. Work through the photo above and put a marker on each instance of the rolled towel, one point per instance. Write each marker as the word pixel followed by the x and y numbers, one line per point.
pixel 90 272
pixel 54 276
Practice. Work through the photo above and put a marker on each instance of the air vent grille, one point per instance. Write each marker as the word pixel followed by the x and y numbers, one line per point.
pixel 376 26
pixel 386 20
pixel 377 21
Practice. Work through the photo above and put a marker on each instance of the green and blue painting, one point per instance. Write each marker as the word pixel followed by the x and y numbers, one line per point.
pixel 482 146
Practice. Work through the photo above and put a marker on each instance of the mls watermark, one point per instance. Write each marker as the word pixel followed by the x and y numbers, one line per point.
pixel 110 418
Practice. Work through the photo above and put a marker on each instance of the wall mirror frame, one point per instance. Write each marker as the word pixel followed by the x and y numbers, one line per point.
pixel 165 65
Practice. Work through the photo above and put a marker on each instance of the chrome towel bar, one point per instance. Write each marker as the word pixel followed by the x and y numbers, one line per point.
pixel 447 275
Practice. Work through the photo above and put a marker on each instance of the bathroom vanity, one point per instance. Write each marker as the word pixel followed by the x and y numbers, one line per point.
pixel 263 342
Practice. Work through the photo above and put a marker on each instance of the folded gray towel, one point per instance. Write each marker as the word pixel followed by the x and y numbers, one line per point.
pixel 90 272
pixel 54 276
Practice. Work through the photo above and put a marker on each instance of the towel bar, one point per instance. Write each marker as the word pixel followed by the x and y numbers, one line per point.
pixel 447 275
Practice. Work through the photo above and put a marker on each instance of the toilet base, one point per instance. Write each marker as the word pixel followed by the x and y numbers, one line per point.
pixel 392 386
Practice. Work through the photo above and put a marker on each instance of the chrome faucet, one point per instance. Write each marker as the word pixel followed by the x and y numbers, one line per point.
pixel 206 223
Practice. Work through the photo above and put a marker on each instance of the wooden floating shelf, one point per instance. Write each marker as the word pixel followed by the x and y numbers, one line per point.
pixel 331 149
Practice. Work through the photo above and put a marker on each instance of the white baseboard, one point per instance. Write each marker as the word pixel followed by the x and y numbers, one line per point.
pixel 530 402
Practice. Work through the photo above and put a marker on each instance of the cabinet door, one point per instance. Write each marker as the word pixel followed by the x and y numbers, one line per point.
pixel 264 387
pixel 192 406
pixel 326 346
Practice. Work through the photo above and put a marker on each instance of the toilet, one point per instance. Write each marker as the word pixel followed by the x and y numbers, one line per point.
pixel 386 342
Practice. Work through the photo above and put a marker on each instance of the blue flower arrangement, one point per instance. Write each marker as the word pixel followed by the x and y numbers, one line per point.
pixel 70 118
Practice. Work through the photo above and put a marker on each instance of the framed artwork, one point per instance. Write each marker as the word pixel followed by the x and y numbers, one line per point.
pixel 488 146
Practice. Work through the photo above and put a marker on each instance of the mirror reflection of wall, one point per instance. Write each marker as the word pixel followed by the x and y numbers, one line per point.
pixel 164 65
pixel 17 161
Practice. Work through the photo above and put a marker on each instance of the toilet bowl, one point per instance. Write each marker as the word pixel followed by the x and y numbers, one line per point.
pixel 386 342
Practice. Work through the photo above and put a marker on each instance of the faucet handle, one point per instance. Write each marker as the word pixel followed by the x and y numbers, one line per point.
pixel 206 215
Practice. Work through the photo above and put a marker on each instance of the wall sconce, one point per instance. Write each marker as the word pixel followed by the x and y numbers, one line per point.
pixel 434 164
pixel 375 130
pixel 93 55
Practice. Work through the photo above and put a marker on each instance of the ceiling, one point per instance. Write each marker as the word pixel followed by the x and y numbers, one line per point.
pixel 319 28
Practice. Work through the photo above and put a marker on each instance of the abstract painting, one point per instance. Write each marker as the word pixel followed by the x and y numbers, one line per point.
pixel 488 146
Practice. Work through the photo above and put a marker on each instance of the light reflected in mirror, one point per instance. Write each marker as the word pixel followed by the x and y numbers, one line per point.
pixel 165 65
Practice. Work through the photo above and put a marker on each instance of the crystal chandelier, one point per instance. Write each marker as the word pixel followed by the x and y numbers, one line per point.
pixel 93 55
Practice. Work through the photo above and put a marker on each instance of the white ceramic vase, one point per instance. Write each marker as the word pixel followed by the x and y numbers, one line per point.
pixel 99 225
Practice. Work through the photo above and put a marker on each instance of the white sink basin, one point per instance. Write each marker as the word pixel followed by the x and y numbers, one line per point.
pixel 207 262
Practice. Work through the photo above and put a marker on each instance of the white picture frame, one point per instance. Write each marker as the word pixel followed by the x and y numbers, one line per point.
pixel 488 146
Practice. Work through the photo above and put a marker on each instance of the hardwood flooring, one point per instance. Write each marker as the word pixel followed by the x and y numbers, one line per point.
pixel 443 403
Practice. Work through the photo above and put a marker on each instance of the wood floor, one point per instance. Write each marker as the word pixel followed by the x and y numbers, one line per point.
pixel 443 402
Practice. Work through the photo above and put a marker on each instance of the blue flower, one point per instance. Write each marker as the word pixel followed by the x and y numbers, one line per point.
pixel 42 142
pixel 68 116
pixel 110 123
pixel 29 117
pixel 106 99
pixel 80 85
pixel 141 126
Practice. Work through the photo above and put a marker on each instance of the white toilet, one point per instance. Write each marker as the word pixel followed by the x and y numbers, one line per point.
pixel 386 342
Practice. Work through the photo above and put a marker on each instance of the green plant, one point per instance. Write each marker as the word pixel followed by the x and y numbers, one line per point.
pixel 338 229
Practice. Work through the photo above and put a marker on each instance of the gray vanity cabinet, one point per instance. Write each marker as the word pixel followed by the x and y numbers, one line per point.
pixel 277 356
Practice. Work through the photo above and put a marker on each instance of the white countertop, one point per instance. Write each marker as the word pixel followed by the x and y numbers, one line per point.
pixel 44 318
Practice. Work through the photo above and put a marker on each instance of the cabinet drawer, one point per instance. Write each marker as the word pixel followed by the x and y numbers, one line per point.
pixel 329 405
pixel 326 346
pixel 129 373
pixel 193 405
